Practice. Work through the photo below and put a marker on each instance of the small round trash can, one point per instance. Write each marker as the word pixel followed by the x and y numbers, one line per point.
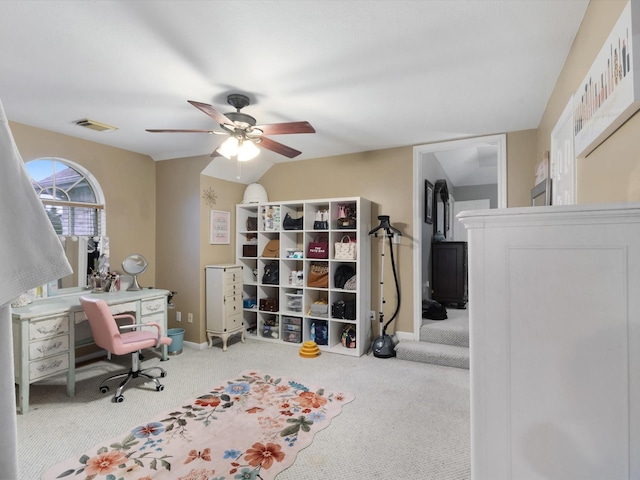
pixel 177 337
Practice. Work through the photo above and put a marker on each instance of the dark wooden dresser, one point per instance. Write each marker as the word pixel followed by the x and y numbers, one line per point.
pixel 449 273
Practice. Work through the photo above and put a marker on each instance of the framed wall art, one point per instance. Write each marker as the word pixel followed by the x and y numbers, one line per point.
pixel 219 227
pixel 610 92
pixel 428 202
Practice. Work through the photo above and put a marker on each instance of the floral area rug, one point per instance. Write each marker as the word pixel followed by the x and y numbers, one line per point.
pixel 249 428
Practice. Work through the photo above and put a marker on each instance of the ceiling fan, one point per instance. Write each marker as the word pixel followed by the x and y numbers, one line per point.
pixel 244 134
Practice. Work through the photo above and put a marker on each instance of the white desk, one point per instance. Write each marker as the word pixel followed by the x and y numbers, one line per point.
pixel 44 333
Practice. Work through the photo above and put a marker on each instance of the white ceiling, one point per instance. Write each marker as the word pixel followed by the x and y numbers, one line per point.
pixel 367 75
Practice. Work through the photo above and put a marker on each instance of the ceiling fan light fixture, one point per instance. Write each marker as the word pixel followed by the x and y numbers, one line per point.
pixel 248 151
pixel 234 147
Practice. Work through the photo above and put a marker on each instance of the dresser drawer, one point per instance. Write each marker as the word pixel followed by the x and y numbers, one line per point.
pixel 48 328
pixel 48 347
pixel 48 366
pixel 153 306
pixel 231 289
pixel 234 322
pixel 233 305
pixel 233 276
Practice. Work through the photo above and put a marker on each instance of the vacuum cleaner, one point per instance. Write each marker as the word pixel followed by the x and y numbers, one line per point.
pixel 384 346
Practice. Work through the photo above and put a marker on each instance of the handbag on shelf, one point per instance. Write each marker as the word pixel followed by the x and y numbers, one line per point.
pixel 321 221
pixel 342 274
pixel 338 309
pixel 252 226
pixel 352 283
pixel 345 251
pixel 348 339
pixel 269 304
pixel 319 248
pixel 319 308
pixel 350 310
pixel 290 223
pixel 346 217
pixel 318 275
pixel 271 274
pixel 272 249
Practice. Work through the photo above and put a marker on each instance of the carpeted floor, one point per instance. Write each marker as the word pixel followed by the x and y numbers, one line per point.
pixel 409 420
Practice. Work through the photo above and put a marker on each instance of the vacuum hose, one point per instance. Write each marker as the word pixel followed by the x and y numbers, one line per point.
pixel 395 277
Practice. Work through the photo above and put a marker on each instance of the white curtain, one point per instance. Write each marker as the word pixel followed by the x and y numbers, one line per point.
pixel 30 255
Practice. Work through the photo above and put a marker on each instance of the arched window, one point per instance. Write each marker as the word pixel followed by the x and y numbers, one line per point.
pixel 71 196
pixel 74 202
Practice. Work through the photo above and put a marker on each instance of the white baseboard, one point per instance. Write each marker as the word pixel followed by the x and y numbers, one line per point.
pixel 198 346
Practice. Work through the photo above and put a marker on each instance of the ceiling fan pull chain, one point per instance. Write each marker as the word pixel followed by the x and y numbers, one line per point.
pixel 238 174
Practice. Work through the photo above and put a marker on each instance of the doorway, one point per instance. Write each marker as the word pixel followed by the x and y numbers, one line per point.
pixel 424 158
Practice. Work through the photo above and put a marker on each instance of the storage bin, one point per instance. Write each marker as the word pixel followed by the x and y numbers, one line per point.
pixel 292 337
pixel 250 250
pixel 292 320
pixel 294 302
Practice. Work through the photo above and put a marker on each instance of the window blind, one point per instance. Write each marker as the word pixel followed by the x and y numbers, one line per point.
pixel 74 218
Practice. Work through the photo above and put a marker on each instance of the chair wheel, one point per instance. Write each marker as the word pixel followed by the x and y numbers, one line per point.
pixel 163 374
pixel 119 399
pixel 160 388
pixel 104 389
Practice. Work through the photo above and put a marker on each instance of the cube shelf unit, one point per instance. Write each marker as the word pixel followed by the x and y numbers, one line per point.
pixel 292 323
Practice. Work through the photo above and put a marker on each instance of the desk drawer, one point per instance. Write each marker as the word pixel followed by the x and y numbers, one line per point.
pixel 156 317
pixel 123 308
pixel 129 307
pixel 48 347
pixel 153 306
pixel 48 328
pixel 48 366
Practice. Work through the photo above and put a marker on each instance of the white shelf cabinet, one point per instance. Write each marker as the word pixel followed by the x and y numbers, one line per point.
pixel 291 323
pixel 223 302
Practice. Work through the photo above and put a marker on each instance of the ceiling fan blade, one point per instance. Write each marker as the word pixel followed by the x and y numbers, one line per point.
pixel 221 118
pixel 152 130
pixel 278 148
pixel 289 127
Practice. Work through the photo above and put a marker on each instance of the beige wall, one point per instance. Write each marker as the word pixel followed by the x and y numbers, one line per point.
pixel 521 167
pixel 183 236
pixel 611 173
pixel 127 180
pixel 228 195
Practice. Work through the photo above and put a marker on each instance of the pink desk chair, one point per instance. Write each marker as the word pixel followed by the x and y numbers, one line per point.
pixel 117 340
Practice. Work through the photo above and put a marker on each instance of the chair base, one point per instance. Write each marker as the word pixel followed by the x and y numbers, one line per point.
pixel 134 372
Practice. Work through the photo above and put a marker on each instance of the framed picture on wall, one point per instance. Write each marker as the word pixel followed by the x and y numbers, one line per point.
pixel 219 227
pixel 428 202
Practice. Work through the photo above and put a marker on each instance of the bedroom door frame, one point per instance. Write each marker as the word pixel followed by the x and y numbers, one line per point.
pixel 418 203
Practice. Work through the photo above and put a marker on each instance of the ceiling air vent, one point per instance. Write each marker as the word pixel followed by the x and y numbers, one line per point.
pixel 93 125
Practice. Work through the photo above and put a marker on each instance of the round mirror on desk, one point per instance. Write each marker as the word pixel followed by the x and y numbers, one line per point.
pixel 134 265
